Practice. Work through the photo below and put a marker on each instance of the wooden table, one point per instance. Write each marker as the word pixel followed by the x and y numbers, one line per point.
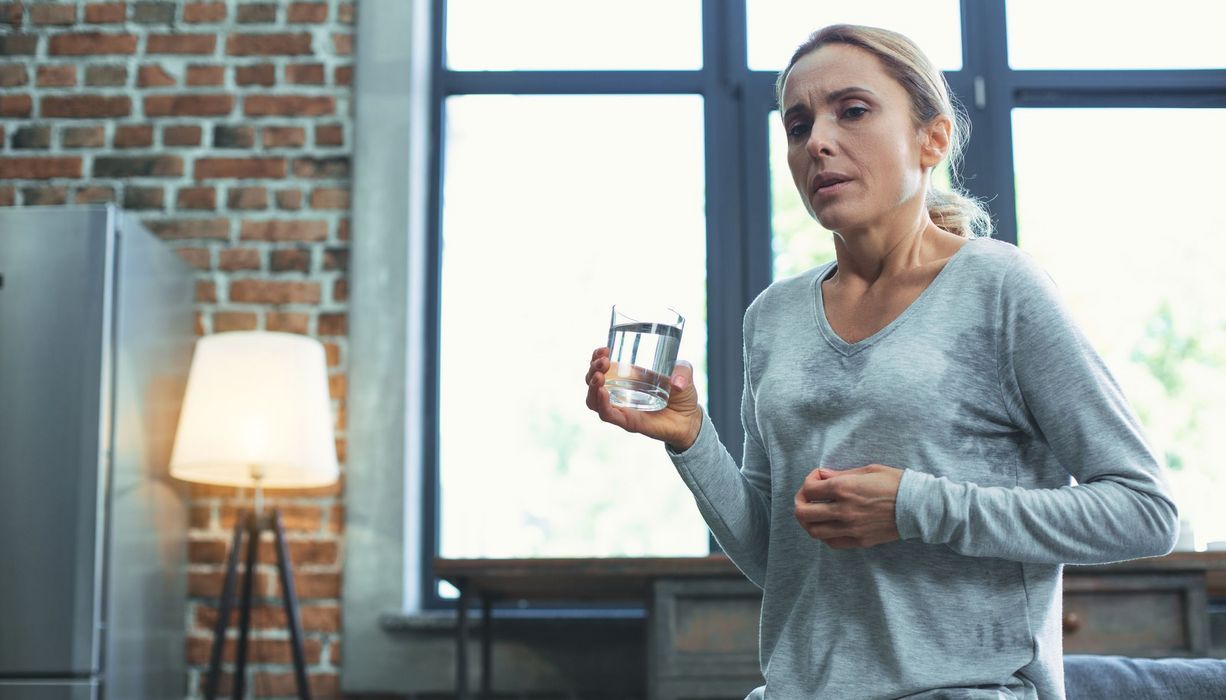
pixel 618 579
pixel 610 579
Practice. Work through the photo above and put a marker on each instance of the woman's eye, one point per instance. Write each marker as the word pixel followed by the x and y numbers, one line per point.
pixel 798 130
pixel 860 111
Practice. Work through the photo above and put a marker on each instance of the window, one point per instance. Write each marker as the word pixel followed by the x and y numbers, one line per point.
pixel 513 238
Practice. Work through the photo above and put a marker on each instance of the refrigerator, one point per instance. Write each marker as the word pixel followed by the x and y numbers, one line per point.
pixel 96 333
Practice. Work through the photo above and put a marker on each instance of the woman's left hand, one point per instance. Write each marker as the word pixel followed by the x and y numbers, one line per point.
pixel 849 508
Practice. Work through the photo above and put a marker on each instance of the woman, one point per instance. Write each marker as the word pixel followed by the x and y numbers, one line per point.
pixel 913 412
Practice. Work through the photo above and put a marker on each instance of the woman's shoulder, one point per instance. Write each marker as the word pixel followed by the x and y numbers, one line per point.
pixel 789 294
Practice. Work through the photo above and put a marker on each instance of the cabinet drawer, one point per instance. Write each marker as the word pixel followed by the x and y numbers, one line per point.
pixel 1146 615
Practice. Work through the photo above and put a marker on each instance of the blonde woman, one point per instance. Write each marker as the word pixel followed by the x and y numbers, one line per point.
pixel 914 415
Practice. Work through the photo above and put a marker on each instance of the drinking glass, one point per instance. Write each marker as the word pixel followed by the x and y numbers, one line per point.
pixel 643 343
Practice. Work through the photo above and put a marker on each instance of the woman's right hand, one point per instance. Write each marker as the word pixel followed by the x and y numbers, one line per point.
pixel 677 423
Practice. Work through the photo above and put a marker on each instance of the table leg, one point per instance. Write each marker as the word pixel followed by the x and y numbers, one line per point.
pixel 461 635
pixel 487 672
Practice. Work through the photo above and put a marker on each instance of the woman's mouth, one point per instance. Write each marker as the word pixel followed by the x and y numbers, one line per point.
pixel 833 188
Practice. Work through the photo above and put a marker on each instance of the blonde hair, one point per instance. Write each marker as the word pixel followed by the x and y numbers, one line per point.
pixel 953 210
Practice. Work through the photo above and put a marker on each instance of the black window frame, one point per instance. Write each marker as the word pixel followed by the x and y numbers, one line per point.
pixel 738 212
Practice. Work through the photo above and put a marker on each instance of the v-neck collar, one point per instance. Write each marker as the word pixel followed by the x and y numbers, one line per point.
pixel 846 348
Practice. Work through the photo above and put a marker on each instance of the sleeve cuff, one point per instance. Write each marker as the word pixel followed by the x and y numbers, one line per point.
pixel 914 503
pixel 706 433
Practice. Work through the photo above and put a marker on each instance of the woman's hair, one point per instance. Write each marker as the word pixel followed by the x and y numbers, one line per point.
pixel 955 211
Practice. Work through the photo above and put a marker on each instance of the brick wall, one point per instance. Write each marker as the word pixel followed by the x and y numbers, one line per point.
pixel 226 126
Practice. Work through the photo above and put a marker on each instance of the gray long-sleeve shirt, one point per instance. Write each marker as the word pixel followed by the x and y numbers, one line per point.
pixel 989 396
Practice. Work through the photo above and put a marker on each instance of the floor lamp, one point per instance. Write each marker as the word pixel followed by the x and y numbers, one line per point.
pixel 256 414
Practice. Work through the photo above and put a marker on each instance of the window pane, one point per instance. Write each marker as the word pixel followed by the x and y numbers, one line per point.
pixel 1137 253
pixel 557 207
pixel 1102 34
pixel 798 242
pixel 777 27
pixel 574 35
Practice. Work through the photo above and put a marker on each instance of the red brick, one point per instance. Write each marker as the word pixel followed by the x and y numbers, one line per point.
pixel 330 198
pixel 206 75
pixel 338 384
pixel 199 259
pixel 240 167
pixel 268 651
pixel 287 322
pixel 257 13
pixel 224 321
pixel 284 230
pixel 274 292
pixel 53 14
pixel 206 551
pixel 341 446
pixel 335 325
pixel 56 76
pixel 340 290
pixel 105 13
pixel 18 44
pixel 199 324
pixel 301 552
pixel 138 166
pixel 106 76
pixel 334 654
pixel 196 44
pixel 304 74
pixel 295 517
pixel 178 229
pixel 206 292
pixel 308 12
pixel 211 583
pixel 260 74
pixel 8 196
pixel 188 105
pixel 336 259
pixel 284 136
pixel 181 136
pixel 31 137
pixel 16 106
pixel 342 44
pixel 44 196
pixel 240 259
pixel 329 135
pixel 342 75
pixel 289 199
pixel 336 519
pixel 284 44
pixel 92 195
pixel 342 230
pixel 288 105
pixel 154 75
pixel 247 198
pixel 345 13
pixel 334 167
pixel 290 261
pixel 82 137
pixel 39 168
pixel 333 352
pixel 196 197
pixel 133 136
pixel 197 12
pixel 198 516
pixel 226 136
pixel 143 197
pixel 92 44
pixel 13 75
pixel 86 106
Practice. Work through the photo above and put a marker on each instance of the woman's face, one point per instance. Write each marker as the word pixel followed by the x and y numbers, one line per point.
pixel 864 136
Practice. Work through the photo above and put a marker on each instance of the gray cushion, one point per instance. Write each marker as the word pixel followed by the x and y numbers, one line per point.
pixel 1089 677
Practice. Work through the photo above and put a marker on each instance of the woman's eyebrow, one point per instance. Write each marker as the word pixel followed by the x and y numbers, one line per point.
pixel 832 96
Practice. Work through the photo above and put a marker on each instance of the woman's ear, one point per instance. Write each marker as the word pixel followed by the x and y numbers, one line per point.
pixel 935 141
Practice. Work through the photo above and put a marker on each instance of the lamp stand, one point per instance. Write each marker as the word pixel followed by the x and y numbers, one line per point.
pixel 253 524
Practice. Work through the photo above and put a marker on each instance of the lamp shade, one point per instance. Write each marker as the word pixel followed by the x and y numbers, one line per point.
pixel 256 401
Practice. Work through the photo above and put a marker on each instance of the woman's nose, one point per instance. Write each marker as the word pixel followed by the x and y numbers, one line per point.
pixel 821 140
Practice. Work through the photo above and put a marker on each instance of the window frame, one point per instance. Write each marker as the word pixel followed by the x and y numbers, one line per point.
pixel 392 479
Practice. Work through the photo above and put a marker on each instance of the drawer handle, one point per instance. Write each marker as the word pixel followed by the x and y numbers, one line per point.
pixel 1072 622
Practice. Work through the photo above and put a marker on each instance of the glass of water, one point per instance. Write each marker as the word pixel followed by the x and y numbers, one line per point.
pixel 643 343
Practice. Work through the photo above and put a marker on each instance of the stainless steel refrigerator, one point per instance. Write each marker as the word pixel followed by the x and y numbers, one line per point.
pixel 96 333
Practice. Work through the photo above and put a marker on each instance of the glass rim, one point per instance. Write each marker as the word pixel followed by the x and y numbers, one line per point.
pixel 648 313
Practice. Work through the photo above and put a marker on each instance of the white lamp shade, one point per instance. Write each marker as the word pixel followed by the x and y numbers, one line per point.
pixel 256 399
